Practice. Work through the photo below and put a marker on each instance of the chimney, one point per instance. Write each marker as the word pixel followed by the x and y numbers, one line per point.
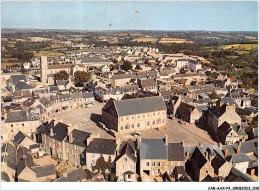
pixel 226 152
pixel 166 139
pixel 238 147
pixel 187 155
pixel 207 155
pixel 220 145
pixel 51 132
pixel 252 172
pixel 182 143
pixel 230 108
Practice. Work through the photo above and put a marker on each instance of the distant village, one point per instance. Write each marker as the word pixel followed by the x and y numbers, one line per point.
pixel 140 120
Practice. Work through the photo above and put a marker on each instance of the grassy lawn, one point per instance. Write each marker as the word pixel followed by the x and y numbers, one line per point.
pixel 232 56
pixel 50 54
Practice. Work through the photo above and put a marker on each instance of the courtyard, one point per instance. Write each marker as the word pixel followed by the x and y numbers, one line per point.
pixel 87 118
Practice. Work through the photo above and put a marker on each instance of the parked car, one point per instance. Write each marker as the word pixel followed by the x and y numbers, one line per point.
pixel 180 122
pixel 157 128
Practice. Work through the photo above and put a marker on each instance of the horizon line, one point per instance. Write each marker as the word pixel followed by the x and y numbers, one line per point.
pixel 99 30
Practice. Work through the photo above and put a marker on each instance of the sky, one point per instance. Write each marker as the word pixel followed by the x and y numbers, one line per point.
pixel 105 15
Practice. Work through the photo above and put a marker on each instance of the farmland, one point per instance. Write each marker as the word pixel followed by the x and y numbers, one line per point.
pixel 173 40
pixel 152 40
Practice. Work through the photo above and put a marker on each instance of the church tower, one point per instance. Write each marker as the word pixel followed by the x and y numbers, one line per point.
pixel 44 68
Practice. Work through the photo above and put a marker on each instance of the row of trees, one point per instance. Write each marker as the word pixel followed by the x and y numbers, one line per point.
pixel 80 77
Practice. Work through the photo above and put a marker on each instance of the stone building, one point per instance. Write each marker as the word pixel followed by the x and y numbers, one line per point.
pixel 125 162
pixel 218 115
pixel 153 156
pixel 133 115
pixel 100 146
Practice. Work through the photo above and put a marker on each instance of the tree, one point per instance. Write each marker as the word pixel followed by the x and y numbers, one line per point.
pixel 62 75
pixel 138 67
pixel 213 95
pixel 109 164
pixel 81 77
pixel 101 165
pixel 127 65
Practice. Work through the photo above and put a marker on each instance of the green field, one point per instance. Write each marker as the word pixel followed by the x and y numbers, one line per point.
pixel 9 62
pixel 245 47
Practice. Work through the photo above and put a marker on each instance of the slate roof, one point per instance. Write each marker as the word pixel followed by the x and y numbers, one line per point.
pixel 24 160
pixel 62 82
pixel 10 158
pixel 102 146
pixel 148 83
pixel 22 86
pixel 18 138
pixel 237 158
pixel 209 178
pixel 73 176
pixel 42 171
pixel 79 137
pixel 60 130
pixel 129 150
pixel 249 146
pixel 22 94
pixel 175 152
pixel 139 105
pixel 16 116
pixel 53 88
pixel 199 158
pixel 236 175
pixel 153 149
pixel 218 161
pixel 17 78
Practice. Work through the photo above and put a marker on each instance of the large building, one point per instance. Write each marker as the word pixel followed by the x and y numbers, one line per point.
pixel 188 63
pixel 133 115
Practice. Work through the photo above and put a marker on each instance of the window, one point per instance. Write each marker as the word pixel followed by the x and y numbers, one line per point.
pixel 22 124
pixel 138 124
pixel 147 163
pixel 122 128
pixel 153 122
pixel 127 118
pixel 143 115
pixel 125 159
pixel 158 170
pixel 132 125
pixel 122 119
pixel 159 164
pixel 148 114
pixel 133 117
pixel 129 176
pixel 138 116
pixel 12 125
pixel 148 123
pixel 153 164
